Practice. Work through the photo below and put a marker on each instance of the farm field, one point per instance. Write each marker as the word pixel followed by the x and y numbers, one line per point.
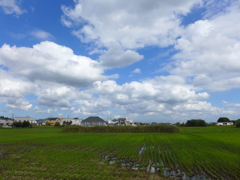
pixel 49 153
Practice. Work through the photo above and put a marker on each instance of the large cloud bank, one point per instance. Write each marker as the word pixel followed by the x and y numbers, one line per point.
pixel 206 60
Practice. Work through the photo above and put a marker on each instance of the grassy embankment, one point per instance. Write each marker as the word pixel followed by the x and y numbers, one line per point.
pixel 48 153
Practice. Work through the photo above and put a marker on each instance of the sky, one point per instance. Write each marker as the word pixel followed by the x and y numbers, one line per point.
pixel 148 61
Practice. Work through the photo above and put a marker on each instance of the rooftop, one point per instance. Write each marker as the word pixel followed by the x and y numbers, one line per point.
pixel 93 119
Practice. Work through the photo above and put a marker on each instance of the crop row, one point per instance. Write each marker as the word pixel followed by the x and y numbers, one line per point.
pixel 56 155
pixel 58 162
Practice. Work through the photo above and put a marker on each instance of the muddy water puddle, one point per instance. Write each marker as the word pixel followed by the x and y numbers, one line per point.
pixel 158 168
pixel 142 149
pixel 3 155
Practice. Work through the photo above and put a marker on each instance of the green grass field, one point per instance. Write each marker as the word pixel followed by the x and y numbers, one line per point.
pixel 49 153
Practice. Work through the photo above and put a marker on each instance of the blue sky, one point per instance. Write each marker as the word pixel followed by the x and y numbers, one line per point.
pixel 148 61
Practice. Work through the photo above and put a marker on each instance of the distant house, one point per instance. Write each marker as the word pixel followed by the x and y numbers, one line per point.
pixel 2 122
pixel 66 121
pixel 93 121
pixel 122 121
pixel 9 122
pixel 40 122
pixel 129 122
pixel 137 123
pixel 71 121
pixel 76 121
pixel 28 119
pixel 113 122
pixel 224 123
pixel 52 120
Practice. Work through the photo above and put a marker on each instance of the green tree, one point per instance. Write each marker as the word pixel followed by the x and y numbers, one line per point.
pixel 223 119
pixel 57 124
pixel 17 124
pixel 22 124
pixel 237 121
pixel 196 122
pixel 47 123
pixel 25 124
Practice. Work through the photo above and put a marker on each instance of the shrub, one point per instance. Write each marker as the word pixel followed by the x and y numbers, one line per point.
pixel 238 125
pixel 26 124
pixel 161 128
pixel 22 124
pixel 17 124
pixel 237 121
pixel 196 122
pixel 57 124
pixel 47 123
pixel 223 119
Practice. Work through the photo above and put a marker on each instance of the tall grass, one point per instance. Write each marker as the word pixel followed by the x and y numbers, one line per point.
pixel 161 128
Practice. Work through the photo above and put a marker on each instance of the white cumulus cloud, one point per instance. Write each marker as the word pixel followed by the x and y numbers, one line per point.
pixel 136 71
pixel 11 7
pixel 209 51
pixel 51 62
pixel 57 96
pixel 18 103
pixel 131 25
pixel 117 57
pixel 42 35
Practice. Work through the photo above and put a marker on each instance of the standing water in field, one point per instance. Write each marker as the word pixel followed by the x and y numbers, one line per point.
pixel 3 155
pixel 156 168
pixel 141 150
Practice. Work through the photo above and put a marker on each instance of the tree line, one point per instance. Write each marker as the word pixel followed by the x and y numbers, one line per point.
pixel 24 124
pixel 202 123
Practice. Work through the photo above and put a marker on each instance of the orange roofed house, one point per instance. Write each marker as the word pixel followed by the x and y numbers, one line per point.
pixel 52 120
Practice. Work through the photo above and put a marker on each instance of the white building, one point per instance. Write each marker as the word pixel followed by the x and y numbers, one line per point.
pixel 113 122
pixel 224 123
pixel 3 122
pixel 129 122
pixel 121 121
pixel 75 121
pixel 28 119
